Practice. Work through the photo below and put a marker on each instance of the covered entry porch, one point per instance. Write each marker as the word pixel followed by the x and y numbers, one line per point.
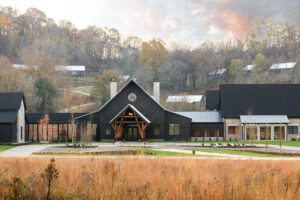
pixel 129 124
pixel 264 127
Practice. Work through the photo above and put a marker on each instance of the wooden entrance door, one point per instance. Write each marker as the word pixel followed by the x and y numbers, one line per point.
pixel 131 132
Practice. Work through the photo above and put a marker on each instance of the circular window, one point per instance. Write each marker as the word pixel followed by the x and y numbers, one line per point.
pixel 132 97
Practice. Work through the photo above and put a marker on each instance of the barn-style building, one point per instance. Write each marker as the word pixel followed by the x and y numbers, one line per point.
pixel 234 112
pixel 132 114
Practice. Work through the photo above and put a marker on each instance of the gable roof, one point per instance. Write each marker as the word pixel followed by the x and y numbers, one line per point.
pixel 133 109
pixel 8 117
pixel 260 99
pixel 11 101
pixel 131 81
pixel 203 116
pixel 212 99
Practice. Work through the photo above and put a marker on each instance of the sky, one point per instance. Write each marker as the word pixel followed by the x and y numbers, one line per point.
pixel 189 22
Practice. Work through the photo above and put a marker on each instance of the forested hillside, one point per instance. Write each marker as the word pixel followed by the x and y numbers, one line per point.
pixel 32 38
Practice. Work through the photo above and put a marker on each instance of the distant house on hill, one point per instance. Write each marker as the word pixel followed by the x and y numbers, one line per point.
pixel 24 66
pixel 72 70
pixel 185 99
pixel 283 67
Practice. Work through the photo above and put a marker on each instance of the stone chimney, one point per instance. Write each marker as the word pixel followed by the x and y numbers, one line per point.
pixel 156 90
pixel 113 87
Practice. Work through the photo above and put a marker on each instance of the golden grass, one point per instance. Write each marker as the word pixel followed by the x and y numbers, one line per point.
pixel 155 178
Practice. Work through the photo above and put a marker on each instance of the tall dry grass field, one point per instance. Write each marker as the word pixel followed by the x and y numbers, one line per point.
pixel 152 178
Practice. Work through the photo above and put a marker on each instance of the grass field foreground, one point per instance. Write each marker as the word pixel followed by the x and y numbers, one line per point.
pixel 5 147
pixel 148 178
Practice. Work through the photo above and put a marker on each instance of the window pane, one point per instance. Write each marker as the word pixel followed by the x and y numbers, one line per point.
pixel 206 132
pixel 293 130
pixel 108 130
pixel 279 133
pixel 265 133
pixel 216 132
pixel 251 132
pixel 174 129
pixel 233 130
pixel 197 132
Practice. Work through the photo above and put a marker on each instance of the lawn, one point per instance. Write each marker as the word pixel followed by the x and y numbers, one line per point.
pixel 164 153
pixel 284 143
pixel 149 178
pixel 84 89
pixel 5 147
pixel 234 152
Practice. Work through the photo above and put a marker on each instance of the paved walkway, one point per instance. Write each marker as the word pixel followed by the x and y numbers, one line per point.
pixel 24 150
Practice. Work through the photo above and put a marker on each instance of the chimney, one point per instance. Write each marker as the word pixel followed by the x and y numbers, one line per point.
pixel 113 87
pixel 156 90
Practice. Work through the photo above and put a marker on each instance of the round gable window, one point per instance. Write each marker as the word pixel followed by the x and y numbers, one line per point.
pixel 132 97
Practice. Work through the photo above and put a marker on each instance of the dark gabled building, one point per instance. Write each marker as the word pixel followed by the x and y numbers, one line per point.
pixel 258 111
pixel 132 114
pixel 12 117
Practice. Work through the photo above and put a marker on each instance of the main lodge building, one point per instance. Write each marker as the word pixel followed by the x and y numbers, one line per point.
pixel 234 112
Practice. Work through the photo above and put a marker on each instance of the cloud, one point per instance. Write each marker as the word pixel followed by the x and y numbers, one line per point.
pixel 187 21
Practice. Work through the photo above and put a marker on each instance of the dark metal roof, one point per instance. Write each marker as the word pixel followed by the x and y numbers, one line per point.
pixel 54 118
pixel 212 100
pixel 260 99
pixel 8 117
pixel 11 101
pixel 203 116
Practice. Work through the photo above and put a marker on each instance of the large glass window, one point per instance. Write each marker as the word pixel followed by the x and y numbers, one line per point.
pixel 251 132
pixel 94 129
pixel 233 130
pixel 279 133
pixel 174 129
pixel 156 130
pixel 206 132
pixel 265 132
pixel 216 132
pixel 293 130
pixel 108 130
pixel 197 132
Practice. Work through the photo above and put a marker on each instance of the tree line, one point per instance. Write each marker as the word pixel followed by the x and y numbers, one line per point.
pixel 33 38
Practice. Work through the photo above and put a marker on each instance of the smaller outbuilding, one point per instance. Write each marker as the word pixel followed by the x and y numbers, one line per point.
pixel 12 117
pixel 72 70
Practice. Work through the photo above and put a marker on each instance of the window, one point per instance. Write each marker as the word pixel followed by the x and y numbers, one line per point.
pixel 197 132
pixel 156 130
pixel 233 130
pixel 206 132
pixel 251 132
pixel 265 132
pixel 216 132
pixel 21 132
pixel 293 130
pixel 94 129
pixel 108 130
pixel 279 133
pixel 174 129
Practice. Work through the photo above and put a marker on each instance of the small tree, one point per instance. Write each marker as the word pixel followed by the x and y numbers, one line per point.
pixel 50 175
pixel 86 133
pixel 43 123
pixel 74 127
